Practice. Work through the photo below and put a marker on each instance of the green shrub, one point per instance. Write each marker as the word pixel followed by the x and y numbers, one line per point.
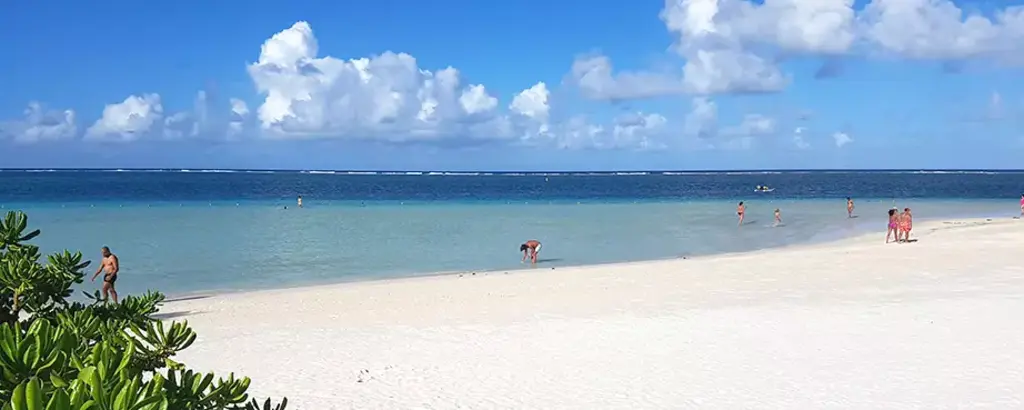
pixel 57 354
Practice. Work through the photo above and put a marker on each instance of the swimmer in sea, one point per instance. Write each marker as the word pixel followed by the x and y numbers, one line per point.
pixel 740 210
pixel 778 217
pixel 849 207
pixel 906 224
pixel 112 266
pixel 893 223
pixel 530 248
pixel 300 201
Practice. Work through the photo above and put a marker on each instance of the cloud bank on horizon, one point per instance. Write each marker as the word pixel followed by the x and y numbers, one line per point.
pixel 725 47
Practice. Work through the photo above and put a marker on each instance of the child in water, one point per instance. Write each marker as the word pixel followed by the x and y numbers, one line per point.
pixel 778 217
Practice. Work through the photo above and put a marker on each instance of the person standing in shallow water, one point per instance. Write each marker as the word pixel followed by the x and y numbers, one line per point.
pixel 849 207
pixel 740 211
pixel 299 201
pixel 112 266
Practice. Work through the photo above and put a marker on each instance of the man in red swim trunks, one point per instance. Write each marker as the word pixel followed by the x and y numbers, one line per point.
pixel 531 248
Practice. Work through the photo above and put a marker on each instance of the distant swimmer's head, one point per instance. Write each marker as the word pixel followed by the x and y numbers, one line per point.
pixel 523 248
pixel 776 210
pixel 105 251
pixel 848 199
pixel 741 203
pixel 892 212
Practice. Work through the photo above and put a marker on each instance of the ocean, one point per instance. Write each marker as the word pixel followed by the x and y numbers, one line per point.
pixel 188 231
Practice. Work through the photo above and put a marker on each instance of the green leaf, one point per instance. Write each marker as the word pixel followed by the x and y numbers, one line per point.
pixel 59 401
pixel 57 382
pixel 34 395
pixel 18 399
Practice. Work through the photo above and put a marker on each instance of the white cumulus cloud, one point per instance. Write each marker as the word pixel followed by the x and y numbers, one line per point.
pixel 237 118
pixel 841 139
pixel 531 109
pixel 940 30
pixel 594 77
pixel 40 124
pixel 731 46
pixel 630 131
pixel 129 120
pixel 387 96
pixel 638 130
pixel 532 102
pixel 144 117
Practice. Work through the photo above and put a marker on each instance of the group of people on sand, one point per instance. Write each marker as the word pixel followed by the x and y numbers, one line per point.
pixel 900 225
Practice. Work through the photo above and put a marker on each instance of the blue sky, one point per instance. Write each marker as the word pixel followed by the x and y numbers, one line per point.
pixel 682 84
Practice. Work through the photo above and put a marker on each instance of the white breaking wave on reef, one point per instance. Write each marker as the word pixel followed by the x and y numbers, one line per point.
pixel 513 173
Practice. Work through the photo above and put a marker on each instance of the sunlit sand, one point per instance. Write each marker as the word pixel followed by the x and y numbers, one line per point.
pixel 850 324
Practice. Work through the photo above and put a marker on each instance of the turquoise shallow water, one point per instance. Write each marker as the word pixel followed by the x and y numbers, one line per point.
pixel 224 246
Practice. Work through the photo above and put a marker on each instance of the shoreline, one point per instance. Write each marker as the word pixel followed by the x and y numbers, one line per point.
pixel 525 268
pixel 931 225
pixel 847 324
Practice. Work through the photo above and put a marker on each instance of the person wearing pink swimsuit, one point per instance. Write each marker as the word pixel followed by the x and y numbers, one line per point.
pixel 893 224
pixel 906 224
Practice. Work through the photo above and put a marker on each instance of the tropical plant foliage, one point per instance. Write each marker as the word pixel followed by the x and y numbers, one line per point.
pixel 58 354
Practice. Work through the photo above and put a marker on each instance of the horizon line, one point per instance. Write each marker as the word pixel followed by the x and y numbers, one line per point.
pixel 623 171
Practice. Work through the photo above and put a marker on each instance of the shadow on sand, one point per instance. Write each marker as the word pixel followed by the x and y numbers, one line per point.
pixel 175 315
pixel 184 298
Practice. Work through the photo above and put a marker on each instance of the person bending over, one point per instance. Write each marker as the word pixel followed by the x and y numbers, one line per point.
pixel 530 249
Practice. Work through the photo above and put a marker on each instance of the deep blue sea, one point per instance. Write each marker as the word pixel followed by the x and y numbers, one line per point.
pixel 190 231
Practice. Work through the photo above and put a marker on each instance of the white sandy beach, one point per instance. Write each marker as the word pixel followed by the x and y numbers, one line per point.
pixel 852 324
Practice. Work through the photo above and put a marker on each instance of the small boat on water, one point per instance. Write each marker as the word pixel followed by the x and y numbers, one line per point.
pixel 763 188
